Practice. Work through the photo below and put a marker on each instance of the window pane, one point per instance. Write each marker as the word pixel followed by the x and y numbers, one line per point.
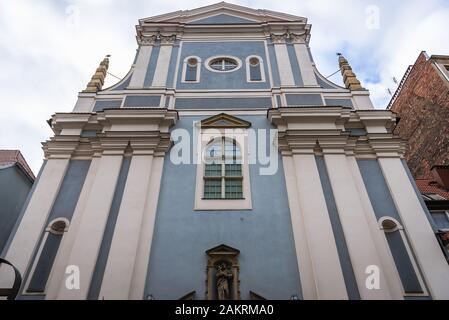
pixel 255 74
pixel 214 150
pixel 191 73
pixel 212 189
pixel 213 170
pixel 231 149
pixel 233 189
pixel 233 170
pixel 223 64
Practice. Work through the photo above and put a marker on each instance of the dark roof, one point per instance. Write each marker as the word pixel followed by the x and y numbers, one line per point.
pixel 14 157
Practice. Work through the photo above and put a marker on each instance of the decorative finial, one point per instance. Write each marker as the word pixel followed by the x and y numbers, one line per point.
pixel 96 82
pixel 349 77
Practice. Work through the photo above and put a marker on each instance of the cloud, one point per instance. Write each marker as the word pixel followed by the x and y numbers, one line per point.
pixel 49 49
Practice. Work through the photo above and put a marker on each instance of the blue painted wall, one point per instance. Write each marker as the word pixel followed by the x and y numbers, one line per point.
pixel 14 188
pixel 225 80
pixel 264 236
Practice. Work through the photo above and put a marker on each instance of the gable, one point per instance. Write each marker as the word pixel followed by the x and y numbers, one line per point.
pixel 223 13
pixel 223 18
pixel 224 120
pixel 223 250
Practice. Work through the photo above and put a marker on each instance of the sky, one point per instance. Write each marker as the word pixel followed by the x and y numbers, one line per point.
pixel 49 49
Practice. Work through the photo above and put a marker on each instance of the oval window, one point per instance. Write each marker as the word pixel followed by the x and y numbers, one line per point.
pixel 223 64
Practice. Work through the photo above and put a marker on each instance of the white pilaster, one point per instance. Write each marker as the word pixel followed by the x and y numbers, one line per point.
pixel 163 61
pixel 57 275
pixel 388 268
pixel 141 66
pixel 34 219
pixel 284 65
pixel 305 65
pixel 420 234
pixel 122 255
pixel 138 280
pixel 305 266
pixel 92 225
pixel 329 280
pixel 357 233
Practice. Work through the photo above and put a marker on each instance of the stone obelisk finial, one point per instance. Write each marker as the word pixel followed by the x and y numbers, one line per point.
pixel 349 77
pixel 96 82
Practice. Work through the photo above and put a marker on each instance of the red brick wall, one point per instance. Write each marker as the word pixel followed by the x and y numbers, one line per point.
pixel 423 105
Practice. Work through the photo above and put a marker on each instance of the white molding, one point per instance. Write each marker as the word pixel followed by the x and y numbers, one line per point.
pixel 198 69
pixel 223 204
pixel 208 60
pixel 261 66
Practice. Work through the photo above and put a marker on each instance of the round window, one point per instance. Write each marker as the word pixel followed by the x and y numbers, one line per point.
pixel 254 62
pixel 192 62
pixel 223 64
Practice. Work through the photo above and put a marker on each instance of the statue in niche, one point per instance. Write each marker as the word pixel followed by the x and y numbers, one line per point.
pixel 223 275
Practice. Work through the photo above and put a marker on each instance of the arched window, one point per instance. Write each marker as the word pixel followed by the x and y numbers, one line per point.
pixel 405 264
pixel 47 255
pixel 191 69
pixel 223 177
pixel 254 69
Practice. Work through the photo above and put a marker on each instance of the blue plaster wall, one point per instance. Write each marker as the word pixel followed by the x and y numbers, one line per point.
pixel 222 103
pixel 264 236
pixel 223 19
pixel 225 80
pixel 105 104
pixel 14 188
pixel 304 99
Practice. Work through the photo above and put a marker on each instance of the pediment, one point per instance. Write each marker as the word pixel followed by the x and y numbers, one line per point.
pixel 224 120
pixel 224 13
pixel 223 250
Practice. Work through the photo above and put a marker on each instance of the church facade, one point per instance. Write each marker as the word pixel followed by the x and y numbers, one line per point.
pixel 225 166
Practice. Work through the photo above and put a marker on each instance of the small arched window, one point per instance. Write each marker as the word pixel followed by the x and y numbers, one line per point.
pixel 223 176
pixel 402 256
pixel 47 254
pixel 254 69
pixel 191 69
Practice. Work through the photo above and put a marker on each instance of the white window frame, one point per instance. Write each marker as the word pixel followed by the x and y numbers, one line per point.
pixel 248 72
pixel 204 139
pixel 208 61
pixel 184 69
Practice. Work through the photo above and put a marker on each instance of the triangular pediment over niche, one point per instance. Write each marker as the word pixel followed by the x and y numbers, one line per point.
pixel 223 250
pixel 224 120
pixel 224 13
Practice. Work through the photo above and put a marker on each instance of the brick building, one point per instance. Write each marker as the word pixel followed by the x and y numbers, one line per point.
pixel 422 103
